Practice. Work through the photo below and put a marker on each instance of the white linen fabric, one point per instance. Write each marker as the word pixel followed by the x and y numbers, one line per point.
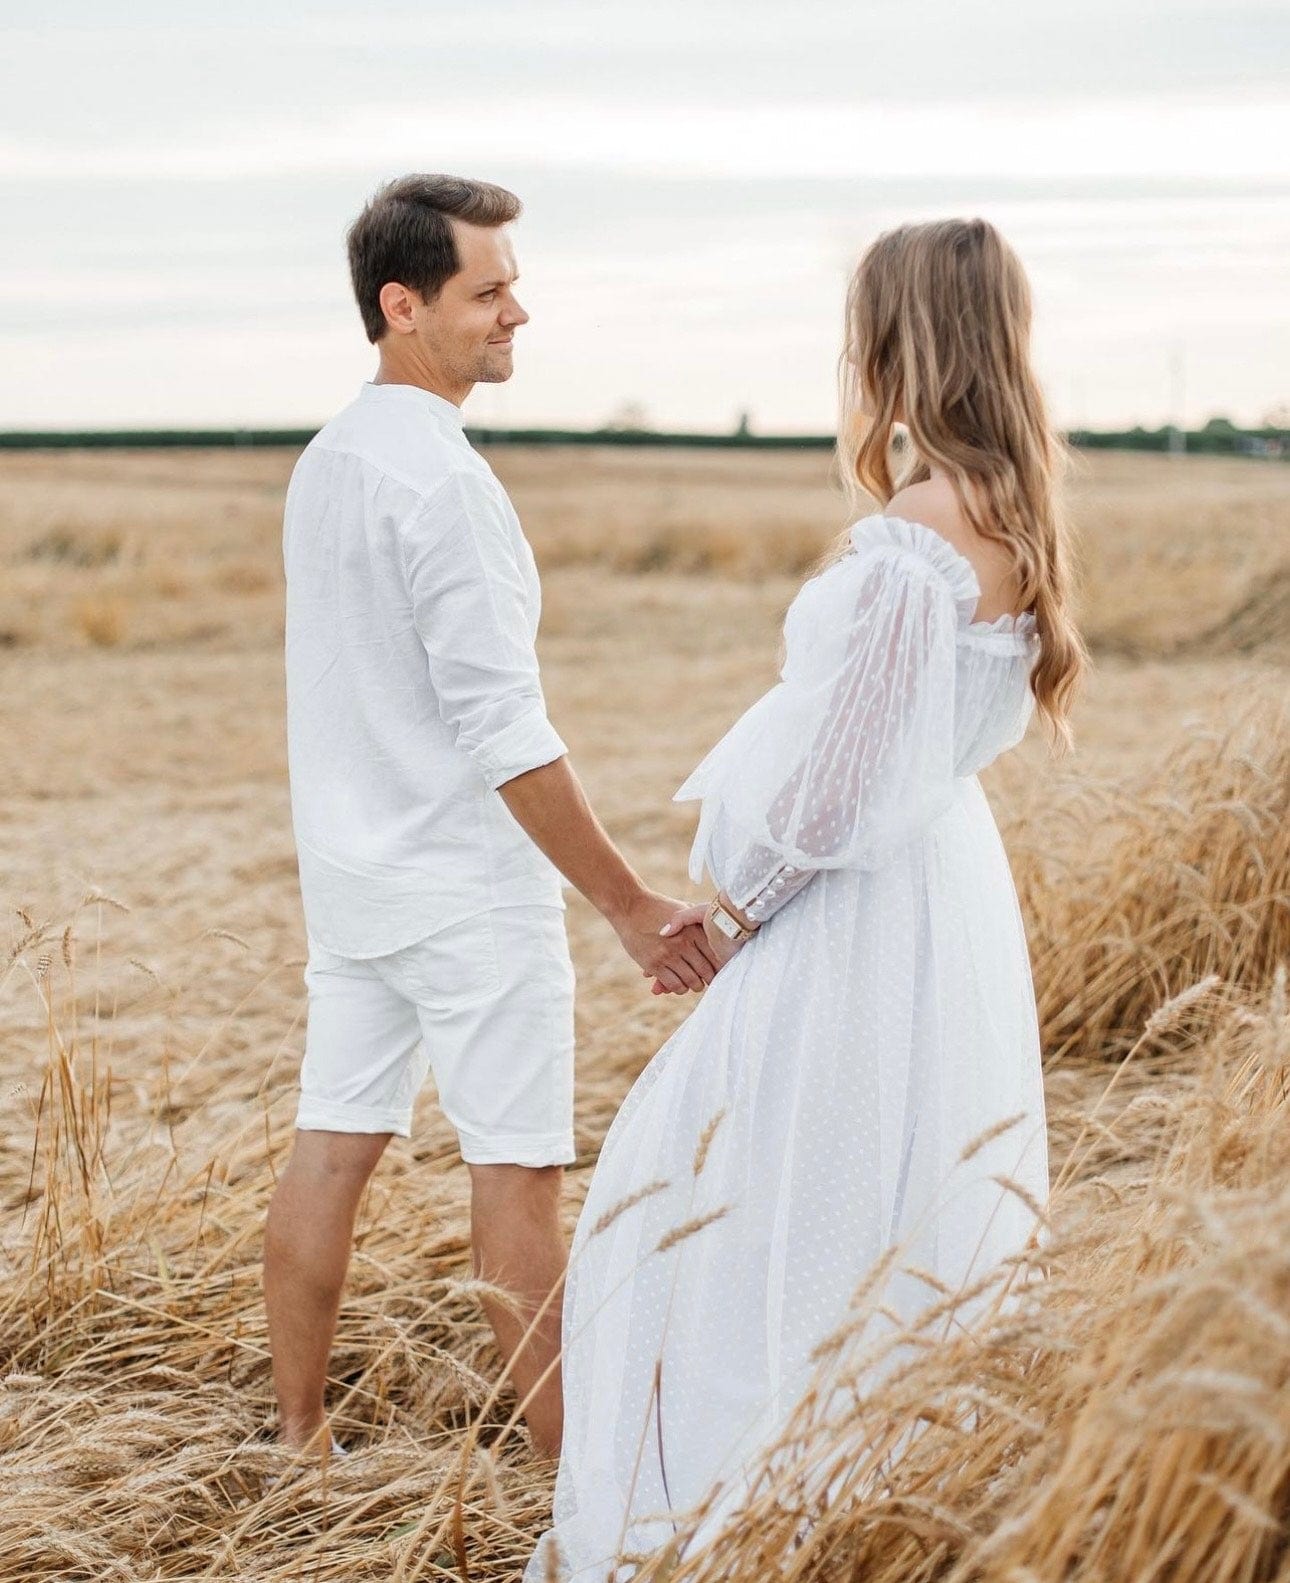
pixel 486 1005
pixel 881 1018
pixel 412 682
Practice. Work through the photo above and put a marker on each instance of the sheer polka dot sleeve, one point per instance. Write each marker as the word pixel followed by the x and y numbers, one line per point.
pixel 852 753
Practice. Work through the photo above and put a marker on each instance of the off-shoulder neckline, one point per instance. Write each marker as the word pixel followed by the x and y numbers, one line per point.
pixel 956 568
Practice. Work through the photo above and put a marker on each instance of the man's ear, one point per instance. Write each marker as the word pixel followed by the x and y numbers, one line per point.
pixel 397 304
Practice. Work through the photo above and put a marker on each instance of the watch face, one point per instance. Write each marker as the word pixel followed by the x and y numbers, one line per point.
pixel 728 925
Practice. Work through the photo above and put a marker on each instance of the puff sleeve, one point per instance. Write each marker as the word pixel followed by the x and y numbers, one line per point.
pixel 852 753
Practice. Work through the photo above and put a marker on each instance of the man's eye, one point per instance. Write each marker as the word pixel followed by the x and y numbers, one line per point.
pixel 485 296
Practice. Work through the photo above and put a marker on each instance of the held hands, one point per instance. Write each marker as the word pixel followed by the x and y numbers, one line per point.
pixel 719 947
pixel 677 959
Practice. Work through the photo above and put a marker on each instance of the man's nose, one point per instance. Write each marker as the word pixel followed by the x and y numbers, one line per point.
pixel 514 313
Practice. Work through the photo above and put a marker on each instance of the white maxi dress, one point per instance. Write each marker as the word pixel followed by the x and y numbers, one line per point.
pixel 881 1018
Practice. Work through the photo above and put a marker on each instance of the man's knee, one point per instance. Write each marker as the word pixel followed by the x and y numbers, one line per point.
pixel 338 1162
pixel 530 1192
pixel 535 1181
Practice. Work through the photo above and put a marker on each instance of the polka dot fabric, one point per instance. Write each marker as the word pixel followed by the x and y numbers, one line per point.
pixel 881 1018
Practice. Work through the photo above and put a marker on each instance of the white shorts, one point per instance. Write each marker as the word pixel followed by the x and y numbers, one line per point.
pixel 485 1004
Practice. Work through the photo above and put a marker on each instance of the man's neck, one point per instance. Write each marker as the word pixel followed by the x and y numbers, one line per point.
pixel 391 371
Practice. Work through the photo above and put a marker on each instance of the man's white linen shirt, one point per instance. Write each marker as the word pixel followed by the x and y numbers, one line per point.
pixel 412 681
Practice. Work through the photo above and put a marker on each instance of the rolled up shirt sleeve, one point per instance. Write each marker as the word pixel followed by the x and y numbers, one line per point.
pixel 472 604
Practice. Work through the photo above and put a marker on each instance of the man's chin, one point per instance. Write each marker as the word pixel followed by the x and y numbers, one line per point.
pixel 496 370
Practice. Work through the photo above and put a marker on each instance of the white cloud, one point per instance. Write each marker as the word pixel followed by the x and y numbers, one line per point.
pixel 1156 138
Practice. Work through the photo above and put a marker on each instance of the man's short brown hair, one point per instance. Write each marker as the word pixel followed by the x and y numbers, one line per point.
pixel 403 235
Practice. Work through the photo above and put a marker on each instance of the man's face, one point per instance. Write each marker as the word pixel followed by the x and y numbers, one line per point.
pixel 469 328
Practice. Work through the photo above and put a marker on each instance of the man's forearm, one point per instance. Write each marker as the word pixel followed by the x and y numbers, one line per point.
pixel 551 807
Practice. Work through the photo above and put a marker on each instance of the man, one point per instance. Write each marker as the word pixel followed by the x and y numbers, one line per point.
pixel 433 804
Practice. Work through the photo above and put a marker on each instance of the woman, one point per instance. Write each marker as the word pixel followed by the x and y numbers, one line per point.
pixel 876 1013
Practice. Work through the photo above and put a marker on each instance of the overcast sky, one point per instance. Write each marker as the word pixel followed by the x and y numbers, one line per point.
pixel 699 177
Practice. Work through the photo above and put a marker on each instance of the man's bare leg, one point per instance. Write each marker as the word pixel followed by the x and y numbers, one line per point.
pixel 307 1244
pixel 518 1245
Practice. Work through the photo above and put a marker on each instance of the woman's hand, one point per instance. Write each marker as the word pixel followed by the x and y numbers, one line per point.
pixel 720 947
pixel 678 962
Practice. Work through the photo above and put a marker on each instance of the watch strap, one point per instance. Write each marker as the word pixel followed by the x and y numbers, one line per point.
pixel 727 923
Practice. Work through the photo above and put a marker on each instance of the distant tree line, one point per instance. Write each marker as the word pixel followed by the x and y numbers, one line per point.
pixel 1218 437
pixel 115 439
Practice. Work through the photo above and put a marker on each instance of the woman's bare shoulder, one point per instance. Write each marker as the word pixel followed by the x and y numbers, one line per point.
pixel 934 503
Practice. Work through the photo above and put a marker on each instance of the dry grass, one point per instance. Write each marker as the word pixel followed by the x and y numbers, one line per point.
pixel 1123 1418
pixel 1175 553
pixel 102 620
pixel 1139 887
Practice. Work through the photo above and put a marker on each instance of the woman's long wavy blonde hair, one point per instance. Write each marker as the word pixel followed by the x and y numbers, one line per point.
pixel 938 340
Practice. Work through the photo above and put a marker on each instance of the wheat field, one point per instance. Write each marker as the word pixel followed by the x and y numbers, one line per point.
pixel 1126 1417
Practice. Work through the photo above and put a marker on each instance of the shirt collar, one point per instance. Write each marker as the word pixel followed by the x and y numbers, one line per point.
pixel 413 395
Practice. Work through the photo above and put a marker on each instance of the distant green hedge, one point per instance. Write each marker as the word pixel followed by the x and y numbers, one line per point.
pixel 1218 437
pixel 150 439
pixel 154 439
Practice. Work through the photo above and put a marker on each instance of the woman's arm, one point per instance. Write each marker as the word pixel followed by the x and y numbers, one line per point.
pixel 852 754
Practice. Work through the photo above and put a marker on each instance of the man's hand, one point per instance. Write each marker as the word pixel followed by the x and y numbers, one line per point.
pixel 550 806
pixel 678 959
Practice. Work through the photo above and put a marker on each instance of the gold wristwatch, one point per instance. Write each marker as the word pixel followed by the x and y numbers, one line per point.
pixel 727 923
